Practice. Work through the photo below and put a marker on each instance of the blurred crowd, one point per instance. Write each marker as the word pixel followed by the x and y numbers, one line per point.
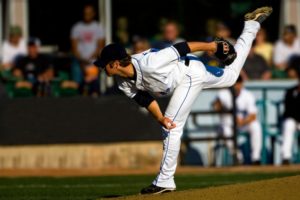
pixel 28 72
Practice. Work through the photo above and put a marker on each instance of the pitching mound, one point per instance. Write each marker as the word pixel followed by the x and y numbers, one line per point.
pixel 281 188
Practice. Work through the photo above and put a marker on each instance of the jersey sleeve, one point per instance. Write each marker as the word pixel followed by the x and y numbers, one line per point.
pixel 167 55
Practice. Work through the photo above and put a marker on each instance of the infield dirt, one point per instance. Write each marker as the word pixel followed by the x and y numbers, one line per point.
pixel 276 189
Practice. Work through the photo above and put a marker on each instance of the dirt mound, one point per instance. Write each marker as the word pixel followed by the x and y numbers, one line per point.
pixel 279 189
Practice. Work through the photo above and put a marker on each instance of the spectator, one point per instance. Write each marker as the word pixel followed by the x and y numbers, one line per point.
pixel 223 31
pixel 170 35
pixel 122 34
pixel 263 47
pixel 214 29
pixel 13 47
pixel 160 25
pixel 140 44
pixel 91 85
pixel 255 67
pixel 34 71
pixel 87 37
pixel 220 30
pixel 286 47
pixel 246 117
pixel 291 121
pixel 293 64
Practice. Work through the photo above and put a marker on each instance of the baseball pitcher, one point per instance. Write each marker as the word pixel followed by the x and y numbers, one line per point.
pixel 175 71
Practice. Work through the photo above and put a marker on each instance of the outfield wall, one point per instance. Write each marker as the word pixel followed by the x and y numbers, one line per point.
pixel 90 133
pixel 133 155
pixel 75 120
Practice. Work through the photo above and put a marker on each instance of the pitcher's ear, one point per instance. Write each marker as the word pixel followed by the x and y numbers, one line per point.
pixel 116 64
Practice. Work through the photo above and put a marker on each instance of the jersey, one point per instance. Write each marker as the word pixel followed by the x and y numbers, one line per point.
pixel 158 72
pixel 245 104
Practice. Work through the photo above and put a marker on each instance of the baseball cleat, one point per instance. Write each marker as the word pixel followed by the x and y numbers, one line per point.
pixel 153 189
pixel 259 15
pixel 286 162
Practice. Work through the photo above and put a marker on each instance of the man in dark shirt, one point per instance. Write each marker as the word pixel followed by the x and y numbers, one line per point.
pixel 255 67
pixel 292 119
pixel 34 70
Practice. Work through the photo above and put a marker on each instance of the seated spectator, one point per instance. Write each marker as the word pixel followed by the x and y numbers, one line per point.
pixel 263 47
pixel 34 71
pixel 13 47
pixel 87 38
pixel 91 86
pixel 246 117
pixel 170 35
pixel 255 67
pixel 291 120
pixel 286 47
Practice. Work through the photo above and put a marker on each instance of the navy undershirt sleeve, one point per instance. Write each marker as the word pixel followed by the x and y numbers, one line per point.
pixel 182 48
pixel 143 98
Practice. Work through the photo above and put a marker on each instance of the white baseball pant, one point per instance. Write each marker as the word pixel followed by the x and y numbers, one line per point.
pixel 255 132
pixel 196 79
pixel 290 126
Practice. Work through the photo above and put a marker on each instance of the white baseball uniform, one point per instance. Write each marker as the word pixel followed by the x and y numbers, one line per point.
pixel 245 103
pixel 164 72
pixel 290 126
pixel 291 123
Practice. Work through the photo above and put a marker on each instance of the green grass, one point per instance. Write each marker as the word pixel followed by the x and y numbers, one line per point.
pixel 91 188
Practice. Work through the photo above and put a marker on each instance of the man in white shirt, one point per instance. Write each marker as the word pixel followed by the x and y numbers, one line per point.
pixel 246 117
pixel 87 36
pixel 13 47
pixel 286 47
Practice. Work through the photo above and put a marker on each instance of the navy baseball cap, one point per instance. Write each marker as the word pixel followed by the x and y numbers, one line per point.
pixel 34 42
pixel 110 53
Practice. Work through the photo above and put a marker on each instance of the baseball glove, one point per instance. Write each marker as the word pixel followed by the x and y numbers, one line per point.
pixel 225 51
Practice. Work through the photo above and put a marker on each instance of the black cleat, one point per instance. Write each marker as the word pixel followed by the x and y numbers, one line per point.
pixel 286 162
pixel 256 163
pixel 153 189
pixel 259 15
